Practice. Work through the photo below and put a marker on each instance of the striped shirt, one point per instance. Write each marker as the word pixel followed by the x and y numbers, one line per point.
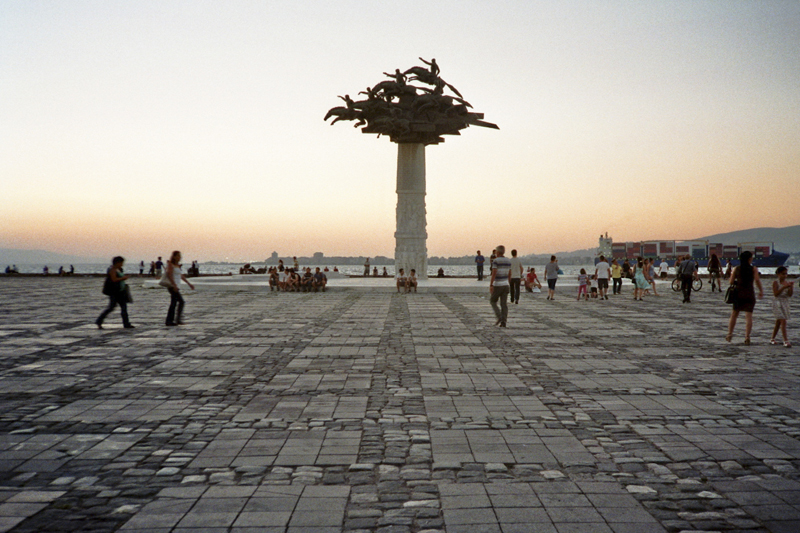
pixel 502 265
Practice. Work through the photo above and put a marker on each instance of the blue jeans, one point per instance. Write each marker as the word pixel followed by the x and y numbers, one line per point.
pixel 112 303
pixel 175 311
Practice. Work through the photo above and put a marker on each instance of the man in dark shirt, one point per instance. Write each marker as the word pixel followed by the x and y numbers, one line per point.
pixel 688 270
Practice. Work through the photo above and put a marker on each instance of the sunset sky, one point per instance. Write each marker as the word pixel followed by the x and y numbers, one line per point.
pixel 139 127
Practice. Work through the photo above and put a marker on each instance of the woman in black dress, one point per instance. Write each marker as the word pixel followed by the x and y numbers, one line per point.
pixel 744 276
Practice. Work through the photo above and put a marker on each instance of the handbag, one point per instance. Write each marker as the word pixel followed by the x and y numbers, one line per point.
pixel 165 282
pixel 731 293
pixel 108 286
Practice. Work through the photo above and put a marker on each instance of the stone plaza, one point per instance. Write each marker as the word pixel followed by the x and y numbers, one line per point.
pixel 368 411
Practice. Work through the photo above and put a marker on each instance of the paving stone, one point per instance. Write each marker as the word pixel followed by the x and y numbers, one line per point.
pixel 378 412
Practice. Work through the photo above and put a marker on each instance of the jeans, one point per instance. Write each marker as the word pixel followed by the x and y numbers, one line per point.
pixel 617 289
pixel 480 272
pixel 112 303
pixel 686 287
pixel 500 293
pixel 514 289
pixel 175 312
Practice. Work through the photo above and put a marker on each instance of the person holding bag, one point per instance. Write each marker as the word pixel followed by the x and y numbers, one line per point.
pixel 117 291
pixel 744 276
pixel 174 276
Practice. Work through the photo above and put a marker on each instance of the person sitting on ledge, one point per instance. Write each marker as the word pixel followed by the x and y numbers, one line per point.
pixel 374 272
pixel 532 280
pixel 440 273
pixel 320 280
pixel 411 282
pixel 273 279
pixel 385 273
pixel 307 282
pixel 401 281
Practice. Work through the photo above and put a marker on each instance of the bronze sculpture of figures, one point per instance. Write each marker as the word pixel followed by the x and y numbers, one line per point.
pixel 408 113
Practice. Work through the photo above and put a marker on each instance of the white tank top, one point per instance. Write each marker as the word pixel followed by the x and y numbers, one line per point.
pixel 176 275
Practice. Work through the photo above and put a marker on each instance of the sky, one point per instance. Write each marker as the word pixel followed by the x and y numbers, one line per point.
pixel 136 128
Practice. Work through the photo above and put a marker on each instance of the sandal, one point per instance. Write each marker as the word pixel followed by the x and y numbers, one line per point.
pixel 773 342
pixel 787 344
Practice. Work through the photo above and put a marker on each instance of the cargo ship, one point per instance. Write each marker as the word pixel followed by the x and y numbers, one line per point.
pixel 764 253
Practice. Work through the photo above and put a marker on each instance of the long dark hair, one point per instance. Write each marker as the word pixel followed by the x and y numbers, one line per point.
pixel 714 262
pixel 744 260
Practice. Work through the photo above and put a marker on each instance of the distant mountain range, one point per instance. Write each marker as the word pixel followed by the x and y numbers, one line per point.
pixel 785 239
pixel 13 256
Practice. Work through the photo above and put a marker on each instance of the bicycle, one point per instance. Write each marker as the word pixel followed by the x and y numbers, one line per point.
pixel 697 284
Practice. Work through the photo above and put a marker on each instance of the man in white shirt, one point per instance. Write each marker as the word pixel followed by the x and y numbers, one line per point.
pixel 516 276
pixel 602 272
pixel 663 269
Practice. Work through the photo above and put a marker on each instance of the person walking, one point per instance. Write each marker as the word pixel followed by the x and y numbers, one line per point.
pixel 175 276
pixel 602 271
pixel 651 275
pixel 616 277
pixel 715 272
pixel 744 276
pixel 640 282
pixel 782 290
pixel 551 275
pixel 515 276
pixel 479 261
pixel 114 287
pixel 499 286
pixel 688 272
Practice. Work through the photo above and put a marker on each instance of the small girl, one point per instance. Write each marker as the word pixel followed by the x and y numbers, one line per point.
pixel 582 280
pixel 782 290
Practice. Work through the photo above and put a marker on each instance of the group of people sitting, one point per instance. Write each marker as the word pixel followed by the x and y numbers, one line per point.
pixel 289 280
pixel 406 282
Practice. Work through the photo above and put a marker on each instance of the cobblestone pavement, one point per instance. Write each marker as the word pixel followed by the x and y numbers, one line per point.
pixel 392 413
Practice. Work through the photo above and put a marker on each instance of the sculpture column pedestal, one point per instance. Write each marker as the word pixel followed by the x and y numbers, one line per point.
pixel 410 238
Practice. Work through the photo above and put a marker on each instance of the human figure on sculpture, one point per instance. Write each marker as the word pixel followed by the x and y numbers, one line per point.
pixel 479 260
pixel 602 272
pixel 499 285
pixel 515 276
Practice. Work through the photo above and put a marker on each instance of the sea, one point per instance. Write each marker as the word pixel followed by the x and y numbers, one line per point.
pixel 355 270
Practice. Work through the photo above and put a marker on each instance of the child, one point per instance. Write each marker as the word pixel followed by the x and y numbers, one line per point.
pixel 582 281
pixel 782 290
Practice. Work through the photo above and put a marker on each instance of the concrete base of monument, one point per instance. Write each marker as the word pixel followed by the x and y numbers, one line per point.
pixel 257 283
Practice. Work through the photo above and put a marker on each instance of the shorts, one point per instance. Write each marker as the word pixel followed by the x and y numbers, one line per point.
pixel 551 283
pixel 663 275
pixel 602 283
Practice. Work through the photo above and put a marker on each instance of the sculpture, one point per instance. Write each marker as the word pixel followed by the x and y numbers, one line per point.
pixel 412 116
pixel 409 113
